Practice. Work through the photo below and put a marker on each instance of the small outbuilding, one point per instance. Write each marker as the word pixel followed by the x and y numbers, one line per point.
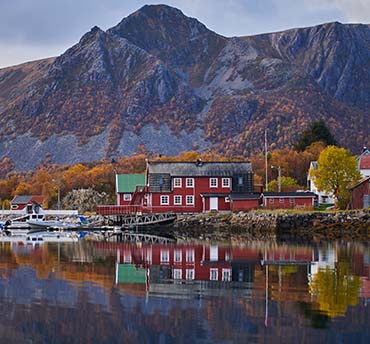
pixel 360 194
pixel 127 185
pixel 22 201
pixel 245 201
pixel 283 200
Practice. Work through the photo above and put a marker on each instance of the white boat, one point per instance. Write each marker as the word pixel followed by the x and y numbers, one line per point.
pixel 19 225
pixel 75 222
pixel 52 236
pixel 41 237
pixel 35 218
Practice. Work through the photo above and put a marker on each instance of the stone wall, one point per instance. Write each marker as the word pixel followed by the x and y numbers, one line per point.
pixel 274 225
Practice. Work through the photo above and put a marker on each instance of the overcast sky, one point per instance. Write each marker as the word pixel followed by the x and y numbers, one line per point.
pixel 35 29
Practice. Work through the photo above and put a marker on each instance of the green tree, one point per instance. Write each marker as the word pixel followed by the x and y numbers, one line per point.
pixel 336 170
pixel 318 131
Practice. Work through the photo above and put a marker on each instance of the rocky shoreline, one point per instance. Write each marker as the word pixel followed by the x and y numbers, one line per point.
pixel 305 226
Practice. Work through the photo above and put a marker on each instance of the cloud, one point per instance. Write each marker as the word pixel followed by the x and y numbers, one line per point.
pixel 38 28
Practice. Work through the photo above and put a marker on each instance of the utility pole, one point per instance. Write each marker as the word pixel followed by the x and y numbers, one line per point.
pixel 58 195
pixel 266 176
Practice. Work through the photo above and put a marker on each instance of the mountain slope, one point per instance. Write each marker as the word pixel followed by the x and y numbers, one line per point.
pixel 163 82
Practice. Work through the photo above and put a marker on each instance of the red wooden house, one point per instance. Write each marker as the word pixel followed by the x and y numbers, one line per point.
pixel 360 194
pixel 196 186
pixel 189 187
pixel 127 185
pixel 21 202
pixel 283 200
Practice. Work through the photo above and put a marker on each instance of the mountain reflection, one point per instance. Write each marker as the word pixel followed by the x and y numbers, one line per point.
pixel 259 291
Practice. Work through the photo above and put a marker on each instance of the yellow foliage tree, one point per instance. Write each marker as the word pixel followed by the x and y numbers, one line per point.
pixel 337 169
pixel 335 289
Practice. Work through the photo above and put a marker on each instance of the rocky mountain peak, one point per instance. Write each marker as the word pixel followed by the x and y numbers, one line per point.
pixel 168 34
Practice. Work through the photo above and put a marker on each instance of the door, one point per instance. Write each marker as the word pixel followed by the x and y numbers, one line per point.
pixel 213 203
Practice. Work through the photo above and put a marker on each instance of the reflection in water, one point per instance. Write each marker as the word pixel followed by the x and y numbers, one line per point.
pixel 261 292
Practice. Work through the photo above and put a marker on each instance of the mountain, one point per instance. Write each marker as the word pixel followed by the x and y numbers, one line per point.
pixel 163 82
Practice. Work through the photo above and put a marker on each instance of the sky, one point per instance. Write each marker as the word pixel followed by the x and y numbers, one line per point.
pixel 35 29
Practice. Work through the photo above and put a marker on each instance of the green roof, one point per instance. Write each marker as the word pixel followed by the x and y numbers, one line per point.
pixel 128 182
pixel 128 273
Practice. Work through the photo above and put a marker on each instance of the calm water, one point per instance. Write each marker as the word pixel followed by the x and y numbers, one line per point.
pixel 129 293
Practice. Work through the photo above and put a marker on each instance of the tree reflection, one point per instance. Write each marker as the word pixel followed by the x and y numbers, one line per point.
pixel 335 289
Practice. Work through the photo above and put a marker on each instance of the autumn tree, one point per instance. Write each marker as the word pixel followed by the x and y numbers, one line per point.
pixel 335 289
pixel 336 170
pixel 317 131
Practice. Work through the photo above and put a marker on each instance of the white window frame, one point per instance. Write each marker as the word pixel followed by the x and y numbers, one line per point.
pixel 190 274
pixel 127 197
pixel 177 256
pixel 190 256
pixel 177 200
pixel 177 274
pixel 190 182
pixel 271 200
pixel 177 182
pixel 187 200
pixel 226 182
pixel 227 199
pixel 162 199
pixel 213 274
pixel 165 256
pixel 213 182
pixel 281 200
pixel 226 275
pixel 291 200
pixel 127 258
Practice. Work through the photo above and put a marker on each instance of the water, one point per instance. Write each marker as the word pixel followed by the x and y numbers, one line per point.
pixel 258 292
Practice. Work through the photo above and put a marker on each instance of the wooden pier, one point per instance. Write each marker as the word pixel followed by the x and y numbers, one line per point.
pixel 127 236
pixel 132 221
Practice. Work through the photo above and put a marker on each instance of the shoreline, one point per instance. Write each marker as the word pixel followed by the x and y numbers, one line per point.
pixel 306 226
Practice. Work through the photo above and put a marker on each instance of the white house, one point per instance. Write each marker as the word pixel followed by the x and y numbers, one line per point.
pixel 324 197
pixel 363 163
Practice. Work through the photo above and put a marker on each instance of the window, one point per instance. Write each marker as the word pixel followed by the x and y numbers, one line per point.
pixel 127 258
pixel 177 274
pixel 227 199
pixel 240 180
pixel 271 200
pixel 177 256
pixel 165 200
pixel 127 197
pixel 189 256
pixel 177 183
pixel 213 274
pixel 189 182
pixel 213 253
pixel 225 182
pixel 190 274
pixel 291 200
pixel 213 183
pixel 189 200
pixel 177 200
pixel 281 200
pixel 226 275
pixel 165 256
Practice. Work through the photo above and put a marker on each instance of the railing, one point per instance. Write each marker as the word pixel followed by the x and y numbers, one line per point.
pixel 118 209
pixel 139 209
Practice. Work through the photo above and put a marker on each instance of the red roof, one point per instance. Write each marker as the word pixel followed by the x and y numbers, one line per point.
pixel 365 162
